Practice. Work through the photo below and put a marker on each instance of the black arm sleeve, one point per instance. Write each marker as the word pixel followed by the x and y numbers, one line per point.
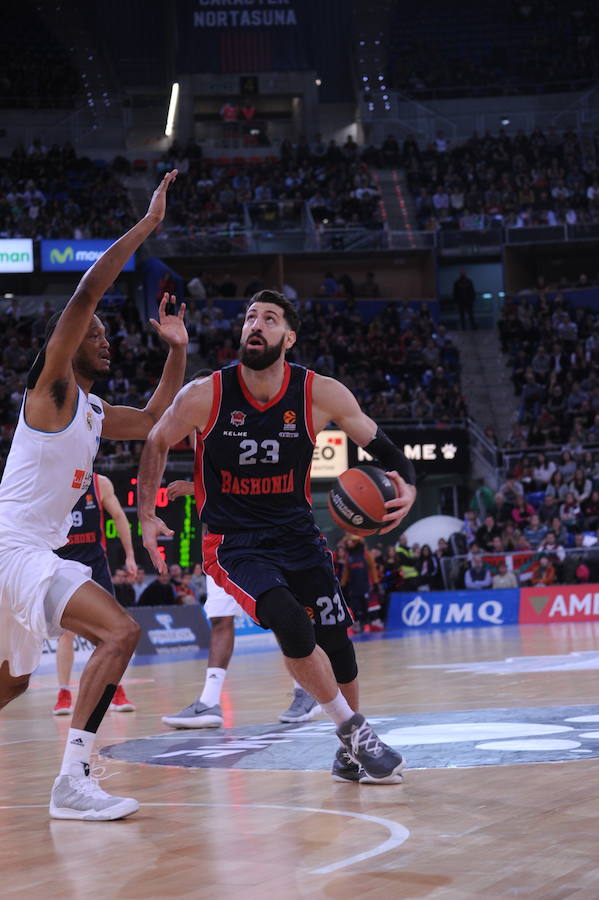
pixel 392 458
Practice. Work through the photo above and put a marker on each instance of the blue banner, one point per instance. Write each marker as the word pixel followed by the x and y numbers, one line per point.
pixel 76 256
pixel 453 609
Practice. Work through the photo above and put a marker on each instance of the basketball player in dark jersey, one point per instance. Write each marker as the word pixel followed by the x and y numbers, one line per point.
pixel 257 424
pixel 87 545
pixel 359 575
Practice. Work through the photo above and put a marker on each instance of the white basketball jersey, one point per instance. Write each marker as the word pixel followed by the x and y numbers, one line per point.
pixel 46 473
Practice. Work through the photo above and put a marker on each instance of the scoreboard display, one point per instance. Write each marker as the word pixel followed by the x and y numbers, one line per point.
pixel 184 547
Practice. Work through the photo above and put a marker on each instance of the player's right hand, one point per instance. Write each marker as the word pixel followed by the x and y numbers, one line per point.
pixel 177 489
pixel 151 529
pixel 157 207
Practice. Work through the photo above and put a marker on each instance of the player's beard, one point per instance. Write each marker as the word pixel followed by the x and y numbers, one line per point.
pixel 85 368
pixel 260 358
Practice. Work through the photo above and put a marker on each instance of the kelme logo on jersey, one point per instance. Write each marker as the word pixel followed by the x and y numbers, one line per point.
pixel 237 418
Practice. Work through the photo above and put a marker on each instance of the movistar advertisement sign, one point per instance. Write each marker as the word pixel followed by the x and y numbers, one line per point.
pixel 16 255
pixel 76 256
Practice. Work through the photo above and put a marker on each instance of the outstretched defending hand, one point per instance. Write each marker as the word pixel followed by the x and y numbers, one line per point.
pixel 151 528
pixel 157 207
pixel 171 328
pixel 399 508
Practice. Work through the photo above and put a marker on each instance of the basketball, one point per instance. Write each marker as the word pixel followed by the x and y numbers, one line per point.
pixel 357 500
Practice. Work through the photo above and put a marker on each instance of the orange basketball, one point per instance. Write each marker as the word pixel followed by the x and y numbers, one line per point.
pixel 357 500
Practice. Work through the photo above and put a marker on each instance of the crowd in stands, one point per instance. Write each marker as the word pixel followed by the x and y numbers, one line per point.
pixel 49 192
pixel 399 364
pixel 512 539
pixel 469 49
pixel 542 178
pixel 327 182
pixel 36 72
pixel 552 349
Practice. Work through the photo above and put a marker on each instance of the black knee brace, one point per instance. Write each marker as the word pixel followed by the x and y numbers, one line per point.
pixel 340 650
pixel 278 610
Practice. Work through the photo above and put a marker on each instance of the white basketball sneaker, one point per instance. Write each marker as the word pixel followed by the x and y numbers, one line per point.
pixel 79 796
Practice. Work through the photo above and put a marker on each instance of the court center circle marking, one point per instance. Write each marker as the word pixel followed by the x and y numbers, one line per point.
pixel 398 834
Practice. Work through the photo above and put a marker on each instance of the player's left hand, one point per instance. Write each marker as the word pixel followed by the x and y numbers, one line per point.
pixel 171 328
pixel 178 489
pixel 398 508
pixel 151 529
pixel 130 566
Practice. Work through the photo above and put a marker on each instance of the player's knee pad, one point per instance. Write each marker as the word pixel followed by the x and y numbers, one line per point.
pixel 341 653
pixel 278 610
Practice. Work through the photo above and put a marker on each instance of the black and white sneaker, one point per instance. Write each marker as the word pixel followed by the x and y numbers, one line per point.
pixel 379 761
pixel 344 768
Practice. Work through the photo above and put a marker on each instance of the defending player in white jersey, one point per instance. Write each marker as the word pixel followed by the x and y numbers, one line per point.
pixel 49 466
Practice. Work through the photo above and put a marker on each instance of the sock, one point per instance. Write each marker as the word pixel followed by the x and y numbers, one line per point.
pixel 338 709
pixel 213 686
pixel 78 749
pixel 296 684
pixel 64 687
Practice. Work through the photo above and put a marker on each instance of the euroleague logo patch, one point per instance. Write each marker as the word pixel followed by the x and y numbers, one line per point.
pixel 238 418
pixel 289 417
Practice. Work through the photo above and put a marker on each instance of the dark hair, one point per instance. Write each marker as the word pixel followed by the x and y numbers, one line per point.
pixel 53 322
pixel 51 325
pixel 289 311
pixel 201 373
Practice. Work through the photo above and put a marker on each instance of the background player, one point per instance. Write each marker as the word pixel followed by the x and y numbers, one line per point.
pixel 49 466
pixel 252 489
pixel 87 545
pixel 359 575
pixel 221 609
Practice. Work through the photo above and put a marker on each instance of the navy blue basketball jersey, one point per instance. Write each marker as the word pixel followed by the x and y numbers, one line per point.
pixel 358 571
pixel 252 464
pixel 86 537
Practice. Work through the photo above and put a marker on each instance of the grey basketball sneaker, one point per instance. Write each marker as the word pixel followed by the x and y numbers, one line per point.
pixel 303 707
pixel 79 796
pixel 196 715
pixel 345 769
pixel 365 748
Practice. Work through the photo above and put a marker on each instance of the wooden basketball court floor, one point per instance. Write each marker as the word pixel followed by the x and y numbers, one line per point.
pixel 500 726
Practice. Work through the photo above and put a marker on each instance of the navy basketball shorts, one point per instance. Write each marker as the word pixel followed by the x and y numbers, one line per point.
pixel 101 573
pixel 246 568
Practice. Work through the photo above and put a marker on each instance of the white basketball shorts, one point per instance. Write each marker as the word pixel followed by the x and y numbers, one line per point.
pixel 35 587
pixel 218 602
